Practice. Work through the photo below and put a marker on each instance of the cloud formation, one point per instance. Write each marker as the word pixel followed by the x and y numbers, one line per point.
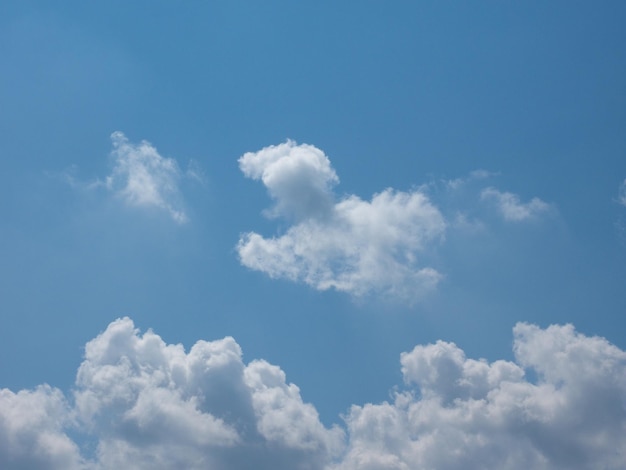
pixel 352 245
pixel 510 206
pixel 384 246
pixel 464 413
pixel 32 430
pixel 143 178
pixel 140 403
pixel 150 405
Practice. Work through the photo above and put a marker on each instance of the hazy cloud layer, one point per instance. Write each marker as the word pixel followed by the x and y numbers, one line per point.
pixel 351 245
pixel 143 178
pixel 140 403
pixel 510 206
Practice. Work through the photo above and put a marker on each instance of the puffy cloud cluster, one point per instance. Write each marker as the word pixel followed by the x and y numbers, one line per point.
pixel 140 403
pixel 32 430
pixel 383 246
pixel 471 414
pixel 143 178
pixel 350 245
pixel 145 404
pixel 510 206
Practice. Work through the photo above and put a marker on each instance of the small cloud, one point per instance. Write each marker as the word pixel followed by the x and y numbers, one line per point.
pixel 143 178
pixel 194 172
pixel 350 245
pixel 298 177
pixel 457 183
pixel 510 206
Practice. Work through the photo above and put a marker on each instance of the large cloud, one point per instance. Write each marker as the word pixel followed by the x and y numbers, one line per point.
pixel 351 245
pixel 469 414
pixel 140 403
pixel 143 178
pixel 150 405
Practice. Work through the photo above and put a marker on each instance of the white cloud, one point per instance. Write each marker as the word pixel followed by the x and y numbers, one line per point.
pixel 32 432
pixel 143 178
pixel 151 405
pixel 621 194
pixel 140 403
pixel 298 177
pixel 471 414
pixel 510 206
pixel 352 245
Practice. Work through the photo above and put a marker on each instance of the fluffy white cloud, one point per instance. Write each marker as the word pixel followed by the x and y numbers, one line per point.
pixel 298 177
pixel 471 414
pixel 352 245
pixel 510 206
pixel 155 405
pixel 143 178
pixel 32 432
pixel 150 405
pixel 140 403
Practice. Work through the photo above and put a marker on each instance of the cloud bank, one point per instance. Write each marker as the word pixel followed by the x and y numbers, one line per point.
pixel 140 403
pixel 143 178
pixel 145 404
pixel 469 414
pixel 351 245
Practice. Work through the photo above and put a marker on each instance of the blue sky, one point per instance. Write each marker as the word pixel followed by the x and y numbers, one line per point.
pixel 332 185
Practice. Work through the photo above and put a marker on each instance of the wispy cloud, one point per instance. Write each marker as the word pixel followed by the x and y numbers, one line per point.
pixel 144 404
pixel 621 193
pixel 143 178
pixel 475 175
pixel 351 245
pixel 510 206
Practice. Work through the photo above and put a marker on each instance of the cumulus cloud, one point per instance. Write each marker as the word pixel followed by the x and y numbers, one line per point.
pixel 32 430
pixel 351 245
pixel 151 405
pixel 140 403
pixel 510 206
pixel 143 178
pixel 298 177
pixel 471 414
